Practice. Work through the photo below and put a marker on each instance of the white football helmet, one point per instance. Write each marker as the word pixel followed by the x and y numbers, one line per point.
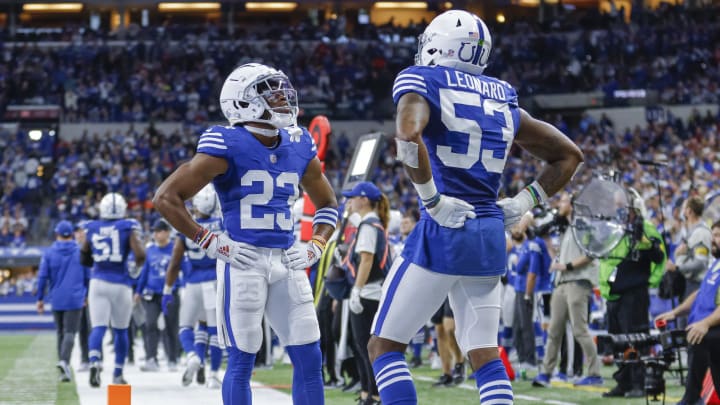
pixel 205 201
pixel 456 39
pixel 112 206
pixel 248 92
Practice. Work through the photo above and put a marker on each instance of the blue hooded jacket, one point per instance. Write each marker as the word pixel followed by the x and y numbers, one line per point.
pixel 60 265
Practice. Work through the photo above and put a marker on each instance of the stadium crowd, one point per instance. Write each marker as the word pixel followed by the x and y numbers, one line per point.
pixel 170 74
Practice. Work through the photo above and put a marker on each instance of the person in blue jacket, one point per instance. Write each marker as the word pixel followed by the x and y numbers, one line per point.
pixel 68 279
pixel 150 290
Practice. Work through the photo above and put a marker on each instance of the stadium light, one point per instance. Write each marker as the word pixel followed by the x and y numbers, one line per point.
pixel 205 6
pixel 35 134
pixel 271 6
pixel 500 18
pixel 53 7
pixel 418 5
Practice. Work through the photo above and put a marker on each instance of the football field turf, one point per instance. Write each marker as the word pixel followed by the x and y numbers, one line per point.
pixel 28 376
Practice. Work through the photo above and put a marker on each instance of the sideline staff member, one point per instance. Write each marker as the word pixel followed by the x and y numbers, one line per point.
pixel 60 266
pixel 703 331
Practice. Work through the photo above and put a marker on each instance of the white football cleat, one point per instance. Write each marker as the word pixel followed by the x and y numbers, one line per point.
pixel 214 382
pixel 193 365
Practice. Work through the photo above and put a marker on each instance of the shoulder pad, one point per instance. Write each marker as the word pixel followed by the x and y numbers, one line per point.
pixel 301 141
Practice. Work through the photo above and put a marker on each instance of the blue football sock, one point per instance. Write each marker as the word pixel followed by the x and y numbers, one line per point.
pixel 121 349
pixel 394 380
pixel 95 343
pixel 216 351
pixel 307 387
pixel 201 339
pixel 187 339
pixel 493 383
pixel 236 383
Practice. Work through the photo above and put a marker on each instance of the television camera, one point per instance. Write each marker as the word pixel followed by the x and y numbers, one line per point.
pixel 656 352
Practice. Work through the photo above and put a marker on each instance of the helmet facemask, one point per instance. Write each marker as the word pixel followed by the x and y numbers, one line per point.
pixel 278 98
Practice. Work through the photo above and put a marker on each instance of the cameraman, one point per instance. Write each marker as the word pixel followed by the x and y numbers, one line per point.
pixel 703 332
pixel 634 264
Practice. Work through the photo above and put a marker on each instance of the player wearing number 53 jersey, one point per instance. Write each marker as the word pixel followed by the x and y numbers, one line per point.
pixel 257 165
pixel 108 243
pixel 455 128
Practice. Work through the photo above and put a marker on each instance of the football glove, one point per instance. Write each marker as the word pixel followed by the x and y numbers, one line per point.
pixel 219 246
pixel 298 258
pixel 355 305
pixel 450 212
pixel 514 208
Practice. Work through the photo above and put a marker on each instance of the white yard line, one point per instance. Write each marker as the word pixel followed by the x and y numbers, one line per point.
pixel 517 396
pixel 161 387
pixel 34 368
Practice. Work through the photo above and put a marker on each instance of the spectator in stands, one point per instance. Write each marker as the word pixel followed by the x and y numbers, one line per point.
pixel 18 237
pixel 5 235
pixel 68 280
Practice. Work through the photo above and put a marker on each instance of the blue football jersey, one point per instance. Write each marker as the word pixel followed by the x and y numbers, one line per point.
pixel 540 262
pixel 261 184
pixel 110 244
pixel 473 122
pixel 201 268
pixel 513 258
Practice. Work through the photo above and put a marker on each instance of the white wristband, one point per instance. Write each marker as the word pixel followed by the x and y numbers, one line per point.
pixel 427 190
pixel 167 290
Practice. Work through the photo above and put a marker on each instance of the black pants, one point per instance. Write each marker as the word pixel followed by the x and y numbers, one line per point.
pixel 84 334
pixel 347 367
pixel 361 324
pixel 327 337
pixel 701 357
pixel 153 310
pixel 523 329
pixel 67 324
pixel 629 314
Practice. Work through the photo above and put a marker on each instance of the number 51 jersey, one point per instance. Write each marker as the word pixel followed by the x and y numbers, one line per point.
pixel 110 244
pixel 261 184
pixel 473 122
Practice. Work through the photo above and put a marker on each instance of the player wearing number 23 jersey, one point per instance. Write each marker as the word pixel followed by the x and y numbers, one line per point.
pixel 455 128
pixel 257 165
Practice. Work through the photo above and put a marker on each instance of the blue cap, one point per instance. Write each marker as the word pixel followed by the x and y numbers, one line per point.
pixel 64 228
pixel 364 189
pixel 161 225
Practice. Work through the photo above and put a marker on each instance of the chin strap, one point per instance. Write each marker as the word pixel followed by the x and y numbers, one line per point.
pixel 262 131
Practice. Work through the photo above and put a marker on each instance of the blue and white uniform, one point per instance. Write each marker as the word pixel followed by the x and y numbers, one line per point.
pixel 110 293
pixel 198 299
pixel 473 121
pixel 256 194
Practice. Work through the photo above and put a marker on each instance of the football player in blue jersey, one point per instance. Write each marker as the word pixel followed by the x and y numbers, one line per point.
pixel 108 242
pixel 455 128
pixel 257 164
pixel 198 298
